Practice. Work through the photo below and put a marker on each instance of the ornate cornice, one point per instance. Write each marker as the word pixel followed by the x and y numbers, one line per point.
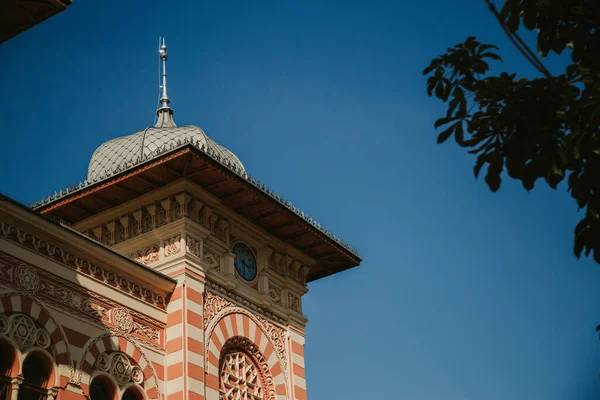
pixel 182 146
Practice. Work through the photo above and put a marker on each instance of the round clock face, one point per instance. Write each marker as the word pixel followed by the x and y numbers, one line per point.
pixel 245 264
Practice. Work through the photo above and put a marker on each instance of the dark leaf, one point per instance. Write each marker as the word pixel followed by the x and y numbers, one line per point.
pixel 493 56
pixel 443 136
pixel 459 134
pixel 441 121
pixel 492 178
pixel 439 90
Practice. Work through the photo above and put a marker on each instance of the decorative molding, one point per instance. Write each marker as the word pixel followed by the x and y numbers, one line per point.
pixel 294 303
pixel 151 380
pixel 59 345
pixel 241 366
pixel 129 169
pixel 275 294
pixel 122 319
pixel 243 301
pixel 213 259
pixel 194 245
pixel 172 245
pixel 85 304
pixel 24 331
pixel 77 263
pixel 217 307
pixel 120 367
pixel 26 278
pixel 147 255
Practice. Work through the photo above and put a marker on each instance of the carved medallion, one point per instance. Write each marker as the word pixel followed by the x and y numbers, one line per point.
pixel 27 278
pixel 122 319
pixel 120 366
pixel 172 245
pixel 23 331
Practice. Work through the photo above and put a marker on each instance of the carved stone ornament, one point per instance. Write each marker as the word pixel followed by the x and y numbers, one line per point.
pixel 86 304
pixel 213 304
pixel 213 259
pixel 137 375
pixel 244 372
pixel 172 245
pixel 103 362
pixel 146 255
pixel 275 293
pixel 122 319
pixel 216 307
pixel 4 324
pixel 193 245
pixel 27 278
pixel 294 302
pixel 23 331
pixel 121 368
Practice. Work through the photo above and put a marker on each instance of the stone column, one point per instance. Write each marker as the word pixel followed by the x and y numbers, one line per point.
pixel 15 383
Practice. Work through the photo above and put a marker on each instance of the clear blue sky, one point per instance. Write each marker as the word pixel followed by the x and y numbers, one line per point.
pixel 463 294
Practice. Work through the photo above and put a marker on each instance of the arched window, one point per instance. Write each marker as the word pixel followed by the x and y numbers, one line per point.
pixel 38 374
pixel 37 370
pixel 119 378
pixel 132 394
pixel 8 367
pixel 240 377
pixel 102 389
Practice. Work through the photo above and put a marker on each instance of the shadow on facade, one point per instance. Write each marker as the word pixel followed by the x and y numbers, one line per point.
pixel 42 279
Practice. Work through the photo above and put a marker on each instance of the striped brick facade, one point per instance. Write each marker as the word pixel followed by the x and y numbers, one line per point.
pixel 185 345
pixel 233 324
pixel 172 322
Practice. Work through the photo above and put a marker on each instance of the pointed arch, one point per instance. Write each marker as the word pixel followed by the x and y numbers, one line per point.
pixel 116 342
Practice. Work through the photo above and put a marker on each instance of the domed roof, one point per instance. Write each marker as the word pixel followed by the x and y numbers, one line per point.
pixel 147 144
pixel 121 153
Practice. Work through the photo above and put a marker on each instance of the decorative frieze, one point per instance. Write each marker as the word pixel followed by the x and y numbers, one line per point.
pixel 27 282
pixel 86 304
pixel 157 214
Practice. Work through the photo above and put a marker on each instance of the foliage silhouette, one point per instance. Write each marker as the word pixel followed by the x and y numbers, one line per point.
pixel 542 128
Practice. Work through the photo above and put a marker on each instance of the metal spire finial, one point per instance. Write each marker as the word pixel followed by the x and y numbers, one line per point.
pixel 165 113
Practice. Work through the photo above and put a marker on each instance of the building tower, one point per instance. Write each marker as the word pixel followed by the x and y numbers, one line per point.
pixel 171 274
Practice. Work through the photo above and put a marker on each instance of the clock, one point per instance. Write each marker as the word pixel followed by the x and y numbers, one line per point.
pixel 245 263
